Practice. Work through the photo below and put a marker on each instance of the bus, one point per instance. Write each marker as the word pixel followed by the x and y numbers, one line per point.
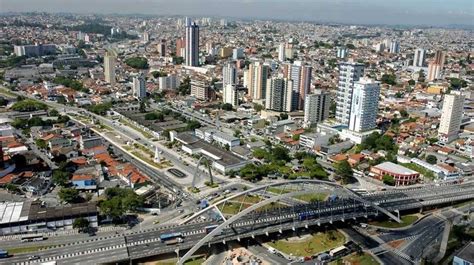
pixel 337 251
pixel 32 238
pixel 209 228
pixel 3 254
pixel 165 237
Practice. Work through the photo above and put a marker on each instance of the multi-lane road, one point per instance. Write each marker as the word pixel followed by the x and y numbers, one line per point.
pixel 145 243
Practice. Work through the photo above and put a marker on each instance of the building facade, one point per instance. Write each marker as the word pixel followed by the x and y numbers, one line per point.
pixel 316 107
pixel 109 67
pixel 451 116
pixel 365 103
pixel 192 43
pixel 279 94
pixel 349 73
pixel 139 87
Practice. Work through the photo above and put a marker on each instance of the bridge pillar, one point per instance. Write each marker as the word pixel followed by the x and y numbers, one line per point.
pixel 342 219
pixel 306 226
pixel 223 241
pixel 238 238
pixel 253 236
pixel 330 221
pixel 279 230
pixel 319 223
pixel 398 213
pixel 266 233
pixel 294 229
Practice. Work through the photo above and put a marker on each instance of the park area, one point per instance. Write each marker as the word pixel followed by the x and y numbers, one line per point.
pixel 309 244
pixel 356 259
pixel 406 221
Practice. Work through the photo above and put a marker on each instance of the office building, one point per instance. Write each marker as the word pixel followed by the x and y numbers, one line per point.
pixel 230 94
pixel 365 104
pixel 109 67
pixel 281 52
pixel 341 52
pixel 34 50
pixel 451 116
pixel 229 74
pixel 257 75
pixel 192 43
pixel 279 94
pixel 349 73
pixel 301 76
pixel 139 87
pixel 395 46
pixel 419 57
pixel 316 107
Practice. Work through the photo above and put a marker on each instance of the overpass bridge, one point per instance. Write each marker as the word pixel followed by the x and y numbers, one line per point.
pixel 252 221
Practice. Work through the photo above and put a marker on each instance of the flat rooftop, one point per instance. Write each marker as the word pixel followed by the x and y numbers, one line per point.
pixel 225 157
pixel 467 253
pixel 11 212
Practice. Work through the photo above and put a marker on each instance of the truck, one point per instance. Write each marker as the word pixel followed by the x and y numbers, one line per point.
pixel 171 236
pixel 174 241
pixel 3 254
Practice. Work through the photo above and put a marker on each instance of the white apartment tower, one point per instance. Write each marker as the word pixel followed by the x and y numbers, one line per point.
pixel 349 73
pixel 230 94
pixel 365 104
pixel 109 67
pixel 395 46
pixel 279 94
pixel 451 116
pixel 229 74
pixel 139 87
pixel 281 52
pixel 316 107
pixel 192 43
pixel 419 58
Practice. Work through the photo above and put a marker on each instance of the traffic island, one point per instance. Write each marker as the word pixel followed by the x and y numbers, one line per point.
pixel 407 220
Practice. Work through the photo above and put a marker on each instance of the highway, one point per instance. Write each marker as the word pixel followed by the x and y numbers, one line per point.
pixel 145 243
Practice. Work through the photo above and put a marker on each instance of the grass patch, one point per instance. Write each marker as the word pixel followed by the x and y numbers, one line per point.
pixel 193 261
pixel 278 190
pixel 355 259
pixel 317 243
pixel 13 251
pixel 312 197
pixel 426 173
pixel 406 220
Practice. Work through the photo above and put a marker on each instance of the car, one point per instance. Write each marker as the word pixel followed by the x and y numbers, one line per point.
pixel 34 257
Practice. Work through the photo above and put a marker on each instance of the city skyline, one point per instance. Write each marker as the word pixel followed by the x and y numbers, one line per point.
pixel 420 12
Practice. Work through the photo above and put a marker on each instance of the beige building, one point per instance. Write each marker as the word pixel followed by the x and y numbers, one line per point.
pixel 451 116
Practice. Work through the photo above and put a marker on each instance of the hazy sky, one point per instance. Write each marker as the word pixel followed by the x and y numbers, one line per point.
pixel 422 12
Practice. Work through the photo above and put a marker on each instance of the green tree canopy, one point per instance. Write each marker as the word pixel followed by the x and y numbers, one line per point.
pixel 431 159
pixel 137 62
pixel 344 170
pixel 69 195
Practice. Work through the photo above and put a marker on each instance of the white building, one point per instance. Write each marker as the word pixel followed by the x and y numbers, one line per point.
pixel 229 74
pixel 316 107
pixel 237 53
pixel 139 87
pixel 419 58
pixel 192 43
pixel 365 103
pixel 256 82
pixel 212 135
pixel 230 95
pixel 279 94
pixel 341 52
pixel 109 67
pixel 281 52
pixel 395 46
pixel 451 116
pixel 349 72
pixel 301 76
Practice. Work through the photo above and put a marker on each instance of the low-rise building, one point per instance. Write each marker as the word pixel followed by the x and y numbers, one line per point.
pixel 402 175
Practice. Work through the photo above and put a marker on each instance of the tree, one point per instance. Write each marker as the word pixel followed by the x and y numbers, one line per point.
pixel 81 223
pixel 29 105
pixel 280 153
pixel 69 195
pixel 260 153
pixel 431 159
pixel 257 107
pixel 155 116
pixel 100 109
pixel 411 82
pixel 142 107
pixel 60 177
pixel 344 170
pixel 227 106
pixel 283 116
pixel 19 160
pixel 389 79
pixel 40 143
pixel 120 200
pixel 296 137
pixel 389 180
pixel 137 62
pixel 53 113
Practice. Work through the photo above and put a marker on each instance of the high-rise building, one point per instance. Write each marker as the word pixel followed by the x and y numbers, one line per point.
pixel 419 58
pixel 162 48
pixel 341 52
pixel 192 43
pixel 257 75
pixel 145 37
pixel 289 50
pixel 230 94
pixel 316 107
pixel 436 66
pixel 139 87
pixel 379 47
pixel 451 116
pixel 229 74
pixel 279 94
pixel 301 76
pixel 237 53
pixel 34 50
pixel 169 82
pixel 180 47
pixel 201 89
pixel 349 72
pixel 109 67
pixel 395 46
pixel 365 104
pixel 281 52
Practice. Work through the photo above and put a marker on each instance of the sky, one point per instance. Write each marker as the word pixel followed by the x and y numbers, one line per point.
pixel 391 12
